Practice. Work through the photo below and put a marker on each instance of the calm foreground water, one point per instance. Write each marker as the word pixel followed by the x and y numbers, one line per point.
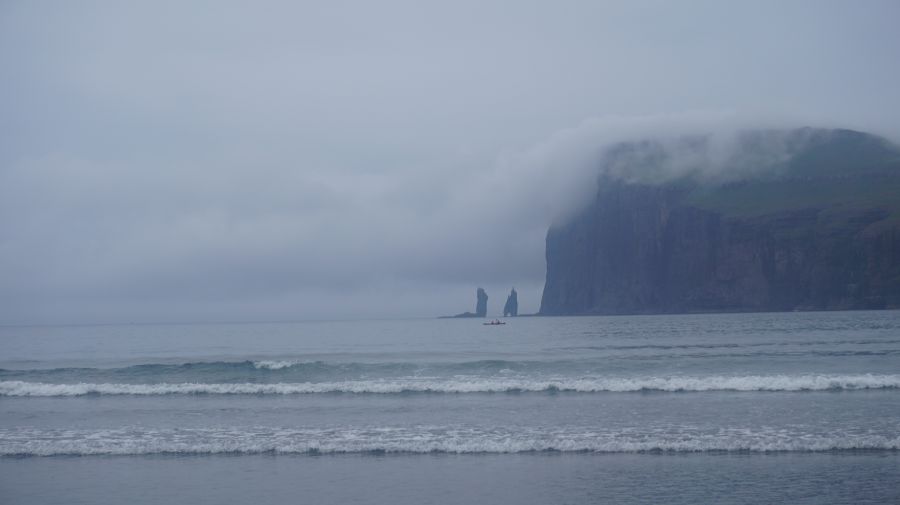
pixel 749 408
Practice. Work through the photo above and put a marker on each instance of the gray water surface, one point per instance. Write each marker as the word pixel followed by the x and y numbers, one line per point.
pixel 743 408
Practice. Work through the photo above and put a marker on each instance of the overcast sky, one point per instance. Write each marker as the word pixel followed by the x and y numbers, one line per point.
pixel 216 161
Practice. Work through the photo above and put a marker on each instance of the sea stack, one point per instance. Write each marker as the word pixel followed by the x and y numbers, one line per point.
pixel 481 304
pixel 512 304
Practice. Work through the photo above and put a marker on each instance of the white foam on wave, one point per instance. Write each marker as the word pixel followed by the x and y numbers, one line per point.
pixel 275 364
pixel 466 384
pixel 417 440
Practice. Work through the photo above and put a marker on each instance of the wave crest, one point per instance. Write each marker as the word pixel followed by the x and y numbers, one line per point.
pixel 417 440
pixel 472 385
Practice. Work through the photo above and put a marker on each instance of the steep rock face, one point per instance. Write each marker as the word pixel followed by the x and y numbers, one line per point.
pixel 511 308
pixel 481 303
pixel 800 240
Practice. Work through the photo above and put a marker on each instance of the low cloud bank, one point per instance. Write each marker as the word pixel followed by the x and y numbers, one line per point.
pixel 88 240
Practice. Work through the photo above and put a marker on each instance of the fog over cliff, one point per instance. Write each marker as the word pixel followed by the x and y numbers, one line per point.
pixel 780 220
pixel 296 160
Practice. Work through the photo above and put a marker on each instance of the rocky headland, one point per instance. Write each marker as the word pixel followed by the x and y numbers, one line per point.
pixel 805 219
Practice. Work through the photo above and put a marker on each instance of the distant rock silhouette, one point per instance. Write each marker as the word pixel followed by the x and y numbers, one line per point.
pixel 512 304
pixel 481 305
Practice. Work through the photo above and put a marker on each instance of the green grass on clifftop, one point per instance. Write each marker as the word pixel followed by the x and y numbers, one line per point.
pixel 839 194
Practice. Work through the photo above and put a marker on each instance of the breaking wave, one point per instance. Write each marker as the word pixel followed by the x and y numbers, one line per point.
pixel 275 364
pixel 418 440
pixel 471 384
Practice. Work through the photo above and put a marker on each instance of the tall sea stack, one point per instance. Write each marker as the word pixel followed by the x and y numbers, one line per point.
pixel 512 304
pixel 804 219
pixel 481 303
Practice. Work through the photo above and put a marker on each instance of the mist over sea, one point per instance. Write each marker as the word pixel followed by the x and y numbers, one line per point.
pixel 741 408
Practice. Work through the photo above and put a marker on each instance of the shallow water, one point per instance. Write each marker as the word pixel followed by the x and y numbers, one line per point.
pixel 803 478
pixel 743 408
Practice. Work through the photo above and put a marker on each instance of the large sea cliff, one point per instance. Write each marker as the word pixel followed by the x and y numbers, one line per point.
pixel 805 219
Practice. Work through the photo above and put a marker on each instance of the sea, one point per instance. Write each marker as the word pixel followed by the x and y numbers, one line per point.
pixel 800 408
